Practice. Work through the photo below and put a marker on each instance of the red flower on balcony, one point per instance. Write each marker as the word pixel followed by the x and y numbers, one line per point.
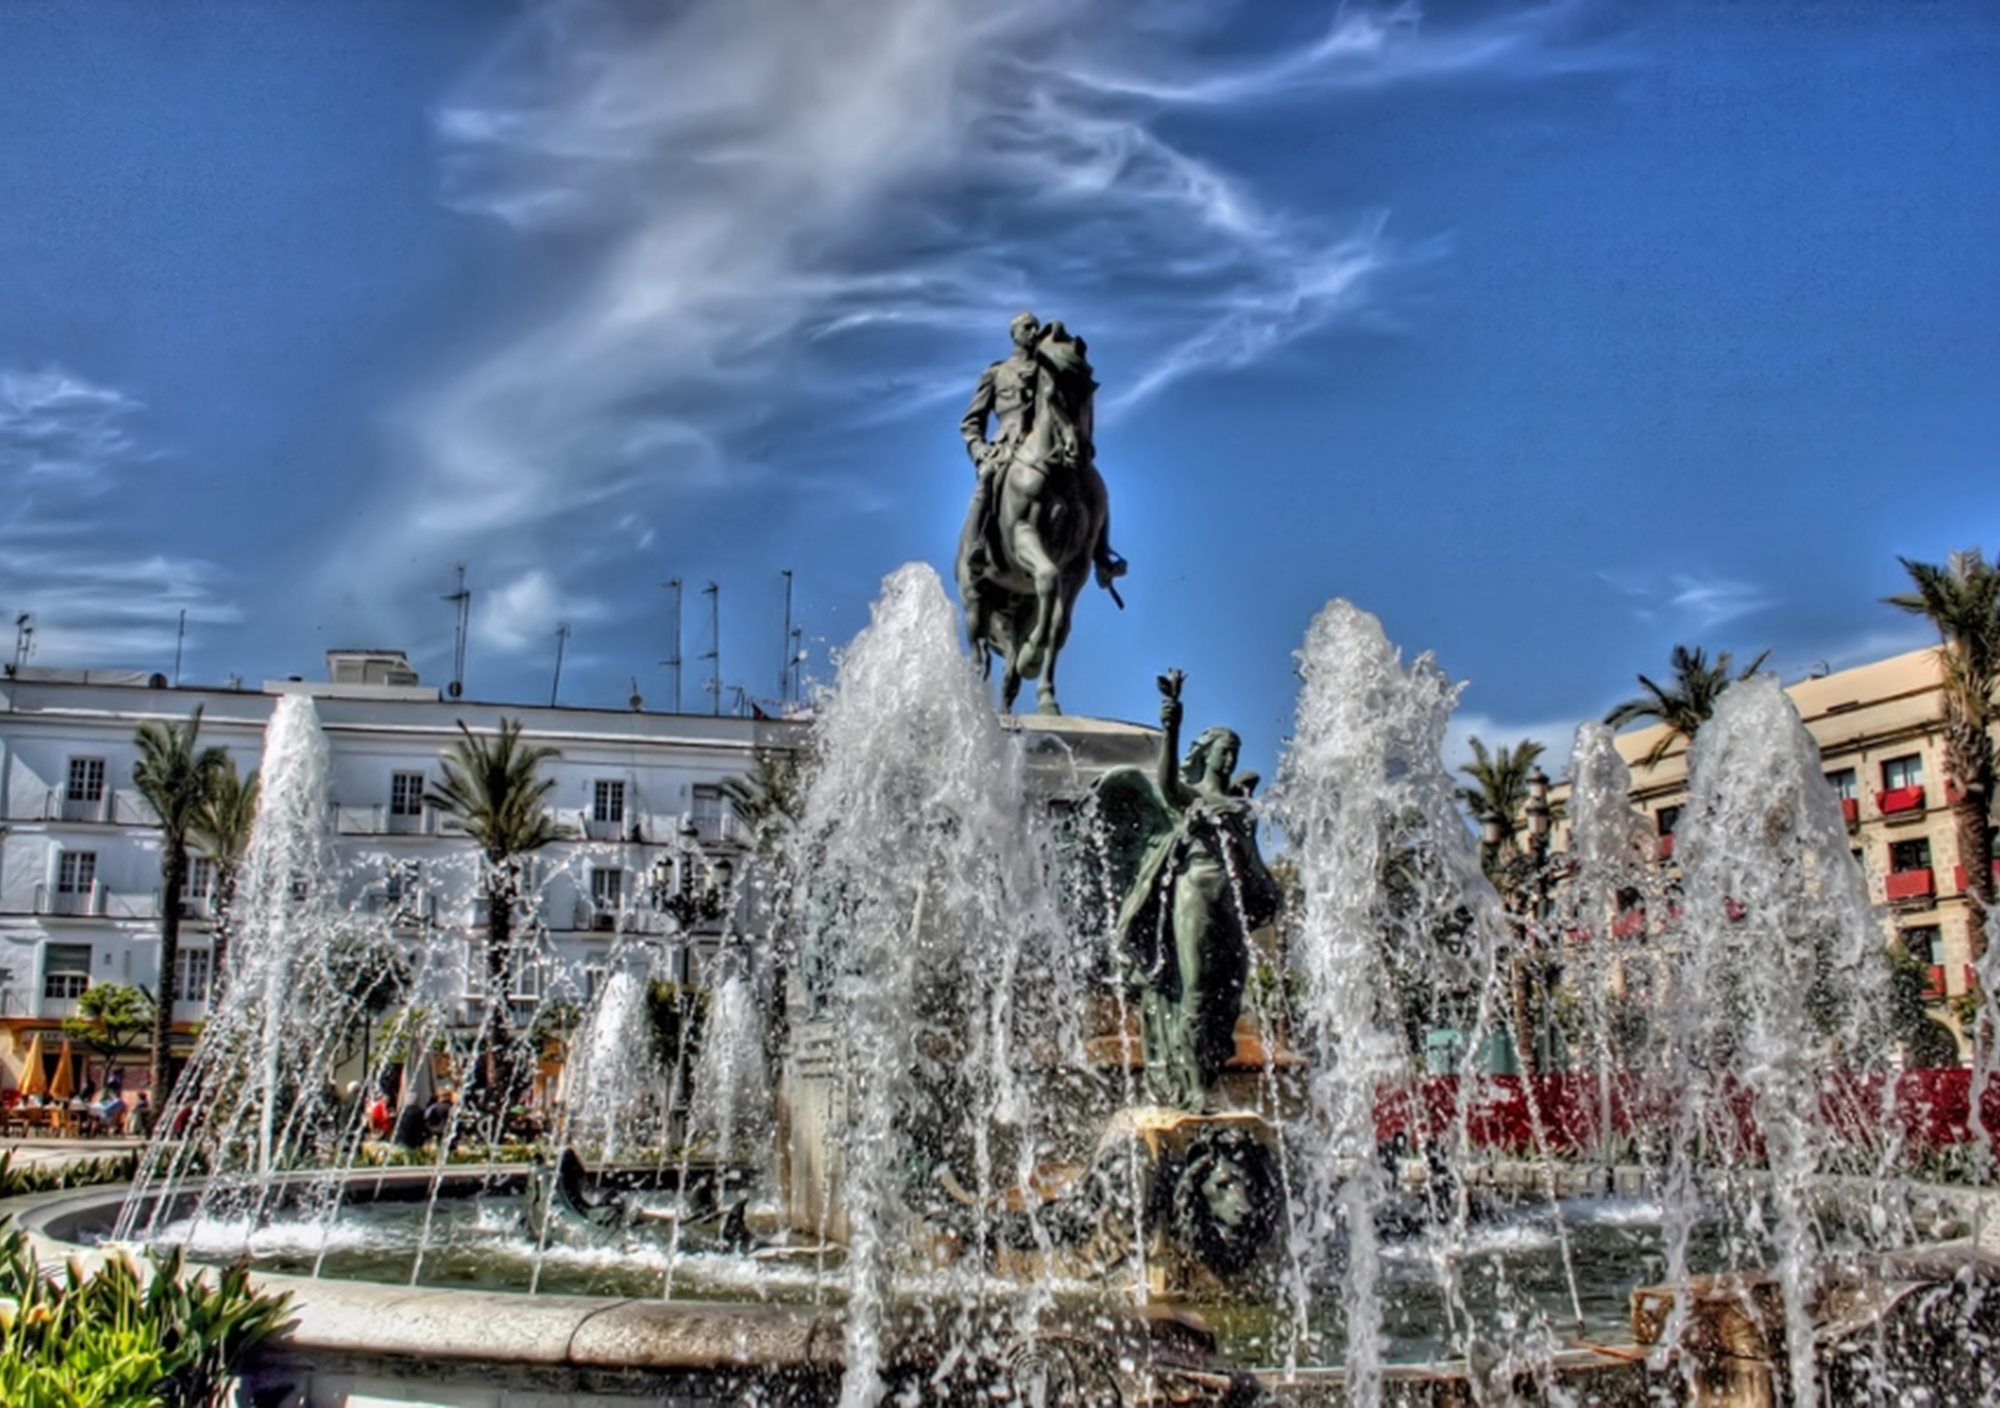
pixel 1909 884
pixel 1900 799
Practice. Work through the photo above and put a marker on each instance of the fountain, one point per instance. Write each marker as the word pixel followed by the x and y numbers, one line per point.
pixel 1082 1100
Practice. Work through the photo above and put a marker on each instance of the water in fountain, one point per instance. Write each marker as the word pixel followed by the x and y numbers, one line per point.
pixel 1395 939
pixel 1778 989
pixel 732 1089
pixel 933 957
pixel 930 946
pixel 607 1081
pixel 254 1094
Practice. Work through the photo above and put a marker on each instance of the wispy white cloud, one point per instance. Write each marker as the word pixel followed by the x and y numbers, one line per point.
pixel 64 443
pixel 821 208
pixel 55 425
pixel 1688 601
pixel 523 613
pixel 1371 47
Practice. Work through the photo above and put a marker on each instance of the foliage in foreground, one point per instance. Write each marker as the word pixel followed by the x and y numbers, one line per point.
pixel 79 1173
pixel 124 1337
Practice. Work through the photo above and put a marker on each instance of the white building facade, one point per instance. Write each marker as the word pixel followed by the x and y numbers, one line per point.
pixel 638 795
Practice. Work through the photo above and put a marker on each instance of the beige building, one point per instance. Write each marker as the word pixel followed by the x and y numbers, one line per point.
pixel 1880 729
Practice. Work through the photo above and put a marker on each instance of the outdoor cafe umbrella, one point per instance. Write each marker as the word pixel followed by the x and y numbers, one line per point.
pixel 34 1080
pixel 63 1083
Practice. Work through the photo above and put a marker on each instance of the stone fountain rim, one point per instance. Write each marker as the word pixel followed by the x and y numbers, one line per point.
pixel 335 1318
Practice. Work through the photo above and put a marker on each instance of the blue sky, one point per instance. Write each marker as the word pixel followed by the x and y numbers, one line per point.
pixel 1552 333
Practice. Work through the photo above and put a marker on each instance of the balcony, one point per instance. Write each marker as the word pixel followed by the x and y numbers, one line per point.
pixel 96 902
pixel 613 828
pixel 111 807
pixel 1962 882
pixel 379 820
pixel 1904 885
pixel 1898 801
pixel 1934 985
pixel 1850 811
pixel 1667 846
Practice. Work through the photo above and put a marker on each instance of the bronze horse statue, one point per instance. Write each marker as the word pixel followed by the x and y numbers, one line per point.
pixel 1022 563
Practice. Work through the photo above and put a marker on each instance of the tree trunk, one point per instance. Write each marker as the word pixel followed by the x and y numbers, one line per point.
pixel 173 876
pixel 499 971
pixel 225 901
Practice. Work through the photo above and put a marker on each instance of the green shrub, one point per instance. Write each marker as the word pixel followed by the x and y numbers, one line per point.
pixel 123 1338
pixel 82 1173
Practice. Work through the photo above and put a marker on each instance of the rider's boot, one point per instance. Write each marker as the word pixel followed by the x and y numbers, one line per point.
pixel 1110 566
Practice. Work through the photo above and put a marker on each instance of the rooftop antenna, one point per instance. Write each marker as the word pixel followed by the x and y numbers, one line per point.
pixel 24 640
pixel 180 639
pixel 673 662
pixel 785 641
pixel 714 594
pixel 562 638
pixel 798 661
pixel 638 700
pixel 461 601
pixel 742 695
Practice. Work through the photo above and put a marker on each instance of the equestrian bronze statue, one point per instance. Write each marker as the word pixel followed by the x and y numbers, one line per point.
pixel 1040 518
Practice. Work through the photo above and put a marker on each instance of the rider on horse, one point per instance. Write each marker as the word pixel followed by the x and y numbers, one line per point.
pixel 1006 395
pixel 1040 517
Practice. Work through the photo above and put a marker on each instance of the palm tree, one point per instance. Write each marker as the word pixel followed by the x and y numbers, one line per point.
pixel 1687 702
pixel 492 784
pixel 1962 599
pixel 222 831
pixel 1500 788
pixel 176 780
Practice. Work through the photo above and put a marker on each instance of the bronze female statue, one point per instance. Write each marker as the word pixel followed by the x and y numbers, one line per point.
pixel 1182 848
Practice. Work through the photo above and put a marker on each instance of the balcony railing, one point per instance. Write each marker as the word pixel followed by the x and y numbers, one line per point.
pixel 1902 885
pixel 381 821
pixel 121 806
pixel 1850 811
pixel 609 828
pixel 1962 882
pixel 1667 847
pixel 1934 985
pixel 96 902
pixel 1898 800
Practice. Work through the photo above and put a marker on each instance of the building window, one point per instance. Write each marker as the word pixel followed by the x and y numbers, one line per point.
pixel 200 882
pixel 86 780
pixel 1906 771
pixel 1668 818
pixel 191 970
pixel 607 888
pixel 406 794
pixel 607 801
pixel 76 872
pixel 709 813
pixel 65 971
pixel 1909 855
pixel 1845 784
pixel 1924 945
